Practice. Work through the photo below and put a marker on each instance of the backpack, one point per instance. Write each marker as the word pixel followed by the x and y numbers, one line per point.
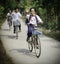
pixel 27 21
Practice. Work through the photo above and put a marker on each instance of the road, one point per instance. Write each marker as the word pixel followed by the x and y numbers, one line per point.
pixel 17 49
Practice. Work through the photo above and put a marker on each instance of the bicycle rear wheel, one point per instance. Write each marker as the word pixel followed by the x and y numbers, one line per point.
pixel 30 45
pixel 37 46
pixel 16 32
pixel 9 23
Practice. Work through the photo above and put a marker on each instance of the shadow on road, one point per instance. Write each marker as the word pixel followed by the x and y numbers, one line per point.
pixel 5 29
pixel 8 36
pixel 25 52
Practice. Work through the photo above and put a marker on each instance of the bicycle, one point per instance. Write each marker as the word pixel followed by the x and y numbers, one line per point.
pixel 34 42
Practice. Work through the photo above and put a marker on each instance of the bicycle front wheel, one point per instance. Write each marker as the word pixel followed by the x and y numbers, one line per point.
pixel 37 46
pixel 30 46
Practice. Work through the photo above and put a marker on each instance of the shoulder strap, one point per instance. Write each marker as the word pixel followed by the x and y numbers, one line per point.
pixel 36 19
pixel 30 17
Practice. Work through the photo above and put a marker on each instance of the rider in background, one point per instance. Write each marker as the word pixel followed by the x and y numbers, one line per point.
pixel 33 19
pixel 9 18
pixel 17 19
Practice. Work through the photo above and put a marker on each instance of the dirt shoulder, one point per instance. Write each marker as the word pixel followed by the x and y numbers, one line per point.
pixel 4 58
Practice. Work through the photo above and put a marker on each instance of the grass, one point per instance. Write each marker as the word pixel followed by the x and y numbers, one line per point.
pixel 4 58
pixel 53 34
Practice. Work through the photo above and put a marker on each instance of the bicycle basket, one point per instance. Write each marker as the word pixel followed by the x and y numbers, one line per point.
pixel 36 32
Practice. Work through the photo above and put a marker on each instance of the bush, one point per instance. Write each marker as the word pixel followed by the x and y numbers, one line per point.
pixel 1 21
pixel 56 35
pixel 1 11
pixel 53 34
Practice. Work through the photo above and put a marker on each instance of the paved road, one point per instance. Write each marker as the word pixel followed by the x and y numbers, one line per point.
pixel 17 49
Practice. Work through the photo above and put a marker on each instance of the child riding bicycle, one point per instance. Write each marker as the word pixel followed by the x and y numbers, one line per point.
pixel 9 18
pixel 16 19
pixel 33 19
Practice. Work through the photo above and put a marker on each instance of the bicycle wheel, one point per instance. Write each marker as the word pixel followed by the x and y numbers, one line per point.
pixel 30 46
pixel 16 32
pixel 37 46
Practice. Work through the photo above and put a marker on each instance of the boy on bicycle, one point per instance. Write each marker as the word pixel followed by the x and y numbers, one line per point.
pixel 33 19
pixel 17 19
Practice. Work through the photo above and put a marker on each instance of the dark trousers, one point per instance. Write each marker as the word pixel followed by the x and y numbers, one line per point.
pixel 14 29
pixel 19 26
pixel 30 28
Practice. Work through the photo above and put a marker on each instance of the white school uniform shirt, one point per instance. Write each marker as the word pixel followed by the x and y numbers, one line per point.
pixel 33 20
pixel 17 18
pixel 8 14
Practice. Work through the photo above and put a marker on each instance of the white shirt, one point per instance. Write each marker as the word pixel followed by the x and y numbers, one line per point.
pixel 17 18
pixel 9 17
pixel 33 20
pixel 8 14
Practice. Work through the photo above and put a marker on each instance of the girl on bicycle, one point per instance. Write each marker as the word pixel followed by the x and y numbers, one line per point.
pixel 33 19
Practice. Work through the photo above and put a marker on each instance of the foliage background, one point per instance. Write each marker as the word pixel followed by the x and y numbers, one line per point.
pixel 48 10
